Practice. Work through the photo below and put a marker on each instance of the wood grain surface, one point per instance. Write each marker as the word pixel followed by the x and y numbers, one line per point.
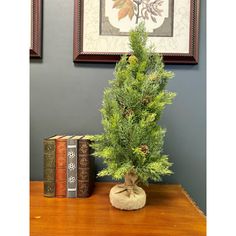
pixel 169 211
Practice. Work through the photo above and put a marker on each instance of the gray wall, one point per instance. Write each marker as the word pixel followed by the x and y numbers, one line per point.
pixel 65 98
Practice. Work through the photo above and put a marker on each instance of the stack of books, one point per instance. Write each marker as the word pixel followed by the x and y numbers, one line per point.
pixel 68 166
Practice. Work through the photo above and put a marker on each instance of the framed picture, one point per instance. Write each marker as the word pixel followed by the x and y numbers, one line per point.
pixel 36 29
pixel 101 28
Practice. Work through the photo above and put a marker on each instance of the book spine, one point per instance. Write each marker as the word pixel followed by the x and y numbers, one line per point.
pixel 61 159
pixel 85 180
pixel 49 167
pixel 72 168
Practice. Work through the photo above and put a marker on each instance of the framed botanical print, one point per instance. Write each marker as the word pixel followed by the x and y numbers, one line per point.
pixel 36 29
pixel 101 28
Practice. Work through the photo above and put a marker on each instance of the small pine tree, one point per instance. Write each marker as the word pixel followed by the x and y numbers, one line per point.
pixel 132 142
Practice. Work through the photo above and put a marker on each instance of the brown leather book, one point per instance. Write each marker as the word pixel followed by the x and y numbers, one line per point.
pixel 61 166
pixel 85 169
pixel 49 166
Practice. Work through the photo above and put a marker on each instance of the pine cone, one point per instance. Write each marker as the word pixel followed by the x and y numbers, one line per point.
pixel 144 148
pixel 146 100
pixel 129 112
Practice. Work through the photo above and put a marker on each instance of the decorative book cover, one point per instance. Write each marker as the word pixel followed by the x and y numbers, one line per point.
pixel 61 166
pixel 72 158
pixel 49 145
pixel 85 169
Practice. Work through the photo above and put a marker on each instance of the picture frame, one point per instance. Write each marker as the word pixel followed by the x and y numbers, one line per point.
pixel 36 29
pixel 89 19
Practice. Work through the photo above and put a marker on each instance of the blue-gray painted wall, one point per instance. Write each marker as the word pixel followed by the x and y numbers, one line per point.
pixel 65 98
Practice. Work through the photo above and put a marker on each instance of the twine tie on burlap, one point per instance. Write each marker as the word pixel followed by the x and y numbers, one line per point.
pixel 129 185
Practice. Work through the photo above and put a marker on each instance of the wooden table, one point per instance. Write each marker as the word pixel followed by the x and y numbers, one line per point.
pixel 169 211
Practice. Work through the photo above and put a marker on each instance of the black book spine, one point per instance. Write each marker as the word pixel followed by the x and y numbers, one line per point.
pixel 85 169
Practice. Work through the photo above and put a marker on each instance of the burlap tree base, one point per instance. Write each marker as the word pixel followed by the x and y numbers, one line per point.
pixel 128 196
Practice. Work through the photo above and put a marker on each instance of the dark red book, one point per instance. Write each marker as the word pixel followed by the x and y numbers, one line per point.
pixel 61 166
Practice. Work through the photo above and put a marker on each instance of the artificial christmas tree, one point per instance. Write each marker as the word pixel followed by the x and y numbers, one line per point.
pixel 132 142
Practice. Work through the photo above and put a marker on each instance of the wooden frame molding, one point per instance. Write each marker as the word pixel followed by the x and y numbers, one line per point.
pixel 36 29
pixel 171 58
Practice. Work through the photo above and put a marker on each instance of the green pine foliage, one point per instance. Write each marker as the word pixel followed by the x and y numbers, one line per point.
pixel 132 106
